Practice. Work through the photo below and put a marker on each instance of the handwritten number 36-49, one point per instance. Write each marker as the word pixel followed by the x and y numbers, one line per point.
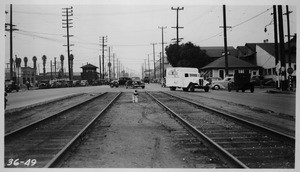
pixel 17 162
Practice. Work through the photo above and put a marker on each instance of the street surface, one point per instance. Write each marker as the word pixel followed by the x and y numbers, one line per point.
pixel 279 103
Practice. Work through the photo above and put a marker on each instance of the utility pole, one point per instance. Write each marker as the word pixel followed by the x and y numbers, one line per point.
pixel 162 50
pixel 290 69
pixel 154 59
pixel 55 67
pixel 145 69
pixel 11 29
pixel 276 45
pixel 289 34
pixel 109 64
pixel 149 67
pixel 68 13
pixel 51 69
pixel 281 47
pixel 177 27
pixel 104 39
pixel 160 65
pixel 225 39
pixel 114 72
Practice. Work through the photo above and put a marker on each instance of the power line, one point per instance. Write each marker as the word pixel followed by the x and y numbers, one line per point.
pixel 221 33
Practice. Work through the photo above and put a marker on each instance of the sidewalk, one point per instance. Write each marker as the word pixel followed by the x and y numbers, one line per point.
pixel 278 91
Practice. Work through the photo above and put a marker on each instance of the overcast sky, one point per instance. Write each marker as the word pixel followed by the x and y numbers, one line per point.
pixel 131 28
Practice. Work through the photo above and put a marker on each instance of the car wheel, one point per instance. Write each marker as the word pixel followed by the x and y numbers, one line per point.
pixel 216 87
pixel 192 88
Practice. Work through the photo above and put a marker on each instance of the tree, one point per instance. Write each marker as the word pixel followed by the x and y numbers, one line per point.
pixel 186 55
pixel 25 61
pixel 44 58
pixel 34 59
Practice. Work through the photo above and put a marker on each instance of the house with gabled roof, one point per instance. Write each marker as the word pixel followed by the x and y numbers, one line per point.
pixel 263 55
pixel 216 52
pixel 217 67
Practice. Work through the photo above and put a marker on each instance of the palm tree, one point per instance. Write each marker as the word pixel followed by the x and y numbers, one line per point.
pixel 34 59
pixel 44 58
pixel 25 61
pixel 62 58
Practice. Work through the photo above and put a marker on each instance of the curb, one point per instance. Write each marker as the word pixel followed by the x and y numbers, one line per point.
pixel 280 92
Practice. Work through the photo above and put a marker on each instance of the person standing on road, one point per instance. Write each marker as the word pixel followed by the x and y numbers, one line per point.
pixel 135 97
pixel 27 85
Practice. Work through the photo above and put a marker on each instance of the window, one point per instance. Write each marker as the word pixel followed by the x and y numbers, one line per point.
pixel 254 72
pixel 270 71
pixel 193 75
pixel 221 73
pixel 186 75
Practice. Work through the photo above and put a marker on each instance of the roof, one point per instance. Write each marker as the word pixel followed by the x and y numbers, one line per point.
pixel 233 62
pixel 268 47
pixel 246 51
pixel 218 51
pixel 89 66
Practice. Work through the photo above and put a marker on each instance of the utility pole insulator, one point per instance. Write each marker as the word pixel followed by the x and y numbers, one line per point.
pixel 177 27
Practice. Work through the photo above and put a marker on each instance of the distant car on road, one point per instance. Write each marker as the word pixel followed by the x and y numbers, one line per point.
pixel 84 83
pixel 44 84
pixel 10 86
pixel 114 83
pixel 123 80
pixel 221 84
pixel 135 82
pixel 146 80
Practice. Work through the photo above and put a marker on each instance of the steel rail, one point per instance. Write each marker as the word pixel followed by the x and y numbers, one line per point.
pixel 57 158
pixel 28 126
pixel 222 153
pixel 288 139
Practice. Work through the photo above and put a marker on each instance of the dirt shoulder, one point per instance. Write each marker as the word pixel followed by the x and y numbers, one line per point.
pixel 135 135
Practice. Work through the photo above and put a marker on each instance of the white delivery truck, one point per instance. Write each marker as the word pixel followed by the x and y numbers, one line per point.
pixel 185 78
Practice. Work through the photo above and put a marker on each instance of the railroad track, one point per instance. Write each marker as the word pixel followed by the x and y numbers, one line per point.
pixel 43 143
pixel 239 143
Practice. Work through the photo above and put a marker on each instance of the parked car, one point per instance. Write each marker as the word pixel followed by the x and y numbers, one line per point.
pixel 44 84
pixel 11 85
pixel 146 80
pixel 242 82
pixel 221 84
pixel 84 83
pixel 123 80
pixel 114 83
pixel 262 81
pixel 135 82
pixel 212 79
pixel 76 83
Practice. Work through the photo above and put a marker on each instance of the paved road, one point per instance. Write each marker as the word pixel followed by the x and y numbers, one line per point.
pixel 281 103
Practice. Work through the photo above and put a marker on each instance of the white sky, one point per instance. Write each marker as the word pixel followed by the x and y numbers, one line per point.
pixel 131 28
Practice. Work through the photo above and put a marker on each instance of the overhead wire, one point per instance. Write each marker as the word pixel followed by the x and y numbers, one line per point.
pixel 221 33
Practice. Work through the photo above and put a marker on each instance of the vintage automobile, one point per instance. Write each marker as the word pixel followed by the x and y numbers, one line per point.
pixel 241 82
pixel 122 80
pixel 10 86
pixel 185 78
pixel 114 83
pixel 135 82
pixel 220 84
pixel 146 80
pixel 44 84
pixel 84 83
